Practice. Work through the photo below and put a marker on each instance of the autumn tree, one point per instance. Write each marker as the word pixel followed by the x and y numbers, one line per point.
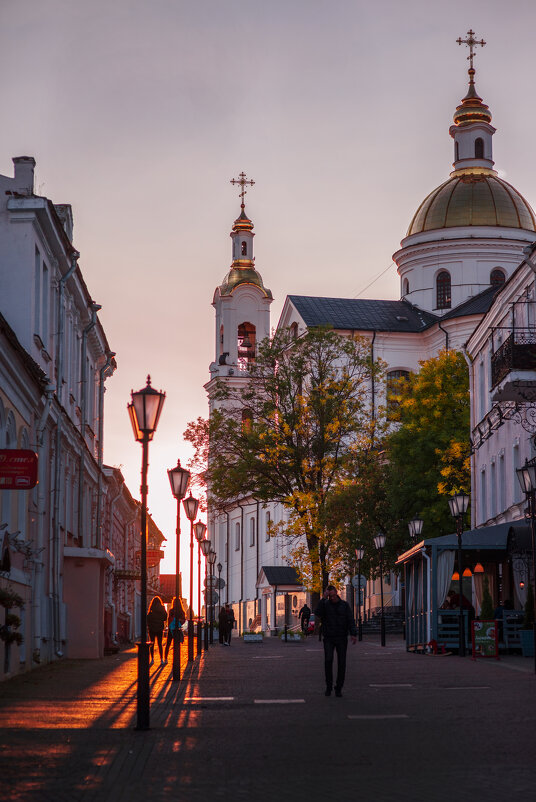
pixel 429 454
pixel 291 436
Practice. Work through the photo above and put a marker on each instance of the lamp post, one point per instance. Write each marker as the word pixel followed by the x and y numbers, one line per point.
pixel 205 548
pixel 527 480
pixel 190 505
pixel 359 556
pixel 199 530
pixel 178 479
pixel 458 507
pixel 219 567
pixel 144 411
pixel 415 528
pixel 211 559
pixel 379 542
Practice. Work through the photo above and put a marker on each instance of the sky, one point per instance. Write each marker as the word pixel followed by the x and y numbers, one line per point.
pixel 139 113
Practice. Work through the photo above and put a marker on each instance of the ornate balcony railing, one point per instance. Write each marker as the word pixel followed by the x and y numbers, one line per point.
pixel 518 352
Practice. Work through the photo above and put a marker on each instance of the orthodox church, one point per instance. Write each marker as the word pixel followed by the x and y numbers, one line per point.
pixel 465 240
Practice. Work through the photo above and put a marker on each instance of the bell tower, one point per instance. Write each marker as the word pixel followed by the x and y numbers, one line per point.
pixel 242 304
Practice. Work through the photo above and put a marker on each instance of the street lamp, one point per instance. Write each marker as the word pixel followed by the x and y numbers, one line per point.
pixel 211 559
pixel 415 528
pixel 144 411
pixel 219 567
pixel 199 530
pixel 205 548
pixel 379 542
pixel 178 479
pixel 190 505
pixel 359 556
pixel 458 507
pixel 527 480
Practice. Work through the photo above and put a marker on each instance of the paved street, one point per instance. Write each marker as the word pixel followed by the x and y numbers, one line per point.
pixel 251 722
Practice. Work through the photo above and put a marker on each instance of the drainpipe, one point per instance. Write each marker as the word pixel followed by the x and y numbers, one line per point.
pixel 373 387
pixel 257 603
pixel 55 533
pixel 473 454
pixel 102 377
pixel 38 590
pixel 445 332
pixel 428 597
pixel 241 565
pixel 83 382
pixel 227 560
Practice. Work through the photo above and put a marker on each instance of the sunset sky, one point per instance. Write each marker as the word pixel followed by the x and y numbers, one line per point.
pixel 139 113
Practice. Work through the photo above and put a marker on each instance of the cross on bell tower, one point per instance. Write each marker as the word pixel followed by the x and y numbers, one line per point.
pixel 471 43
pixel 242 182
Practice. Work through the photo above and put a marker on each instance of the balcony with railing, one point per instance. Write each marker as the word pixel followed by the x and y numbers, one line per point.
pixel 513 366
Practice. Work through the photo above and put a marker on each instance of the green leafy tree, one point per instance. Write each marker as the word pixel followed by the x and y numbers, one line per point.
pixel 291 436
pixel 429 453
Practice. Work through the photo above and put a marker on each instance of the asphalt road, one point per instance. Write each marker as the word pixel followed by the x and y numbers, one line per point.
pixel 251 722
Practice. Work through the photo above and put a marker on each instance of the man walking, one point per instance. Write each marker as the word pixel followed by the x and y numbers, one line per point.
pixel 305 615
pixel 337 623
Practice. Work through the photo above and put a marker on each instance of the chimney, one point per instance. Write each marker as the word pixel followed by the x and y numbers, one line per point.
pixel 24 174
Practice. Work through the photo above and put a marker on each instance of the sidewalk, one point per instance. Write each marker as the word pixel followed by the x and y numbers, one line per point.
pixel 251 722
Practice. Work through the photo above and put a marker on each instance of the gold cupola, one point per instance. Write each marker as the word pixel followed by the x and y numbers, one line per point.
pixel 472 109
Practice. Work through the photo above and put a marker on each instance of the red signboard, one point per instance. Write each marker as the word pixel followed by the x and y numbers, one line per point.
pixel 18 469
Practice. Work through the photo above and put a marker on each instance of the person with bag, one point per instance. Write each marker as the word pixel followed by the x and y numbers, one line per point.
pixel 171 626
pixel 223 624
pixel 156 619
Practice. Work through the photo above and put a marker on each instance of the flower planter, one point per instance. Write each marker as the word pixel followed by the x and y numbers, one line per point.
pixel 253 637
pixel 526 636
pixel 292 637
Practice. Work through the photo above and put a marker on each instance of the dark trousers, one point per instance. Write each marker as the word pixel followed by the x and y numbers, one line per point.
pixel 155 636
pixel 332 645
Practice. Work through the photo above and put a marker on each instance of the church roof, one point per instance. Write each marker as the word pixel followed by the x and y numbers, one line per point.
pixel 362 314
pixel 473 199
pixel 477 305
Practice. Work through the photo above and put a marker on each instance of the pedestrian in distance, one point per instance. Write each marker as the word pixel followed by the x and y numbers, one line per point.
pixel 337 623
pixel 305 615
pixel 171 626
pixel 156 619
pixel 223 623
pixel 230 622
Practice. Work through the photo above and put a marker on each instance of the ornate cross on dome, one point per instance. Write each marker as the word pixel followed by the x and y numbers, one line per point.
pixel 242 181
pixel 471 42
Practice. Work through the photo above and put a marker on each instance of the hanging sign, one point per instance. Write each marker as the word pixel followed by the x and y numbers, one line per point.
pixel 485 639
pixel 18 469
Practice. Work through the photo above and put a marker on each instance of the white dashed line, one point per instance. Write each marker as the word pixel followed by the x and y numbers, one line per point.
pixel 278 701
pixel 209 698
pixel 391 685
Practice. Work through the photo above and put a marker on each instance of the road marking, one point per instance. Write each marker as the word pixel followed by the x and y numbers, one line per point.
pixel 268 657
pixel 391 685
pixel 209 698
pixel 466 688
pixel 379 717
pixel 278 701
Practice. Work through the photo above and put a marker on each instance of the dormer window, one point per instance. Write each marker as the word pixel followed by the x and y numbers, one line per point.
pixel 479 148
pixel 244 248
pixel 497 277
pixel 443 294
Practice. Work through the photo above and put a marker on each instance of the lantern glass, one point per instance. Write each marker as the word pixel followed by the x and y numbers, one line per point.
pixel 458 504
pixel 205 547
pixel 190 505
pixel 415 527
pixel 379 541
pixel 178 479
pixel 212 557
pixel 219 567
pixel 199 530
pixel 359 553
pixel 147 406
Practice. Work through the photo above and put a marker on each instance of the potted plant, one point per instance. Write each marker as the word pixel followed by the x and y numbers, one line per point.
pixel 292 635
pixel 526 632
pixel 252 637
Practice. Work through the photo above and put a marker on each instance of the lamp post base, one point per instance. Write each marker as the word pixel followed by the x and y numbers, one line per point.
pixel 143 717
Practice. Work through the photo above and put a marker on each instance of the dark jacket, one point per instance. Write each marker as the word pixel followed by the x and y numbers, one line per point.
pixel 156 618
pixel 337 619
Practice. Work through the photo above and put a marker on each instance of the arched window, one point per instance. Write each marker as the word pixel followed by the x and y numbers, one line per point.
pixel 405 290
pixel 497 277
pixel 479 148
pixel 246 344
pixel 221 340
pixel 443 298
pixel 392 387
pixel 244 248
pixel 294 331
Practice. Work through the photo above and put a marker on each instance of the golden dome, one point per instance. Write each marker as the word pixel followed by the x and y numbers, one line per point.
pixel 242 275
pixel 243 223
pixel 471 198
